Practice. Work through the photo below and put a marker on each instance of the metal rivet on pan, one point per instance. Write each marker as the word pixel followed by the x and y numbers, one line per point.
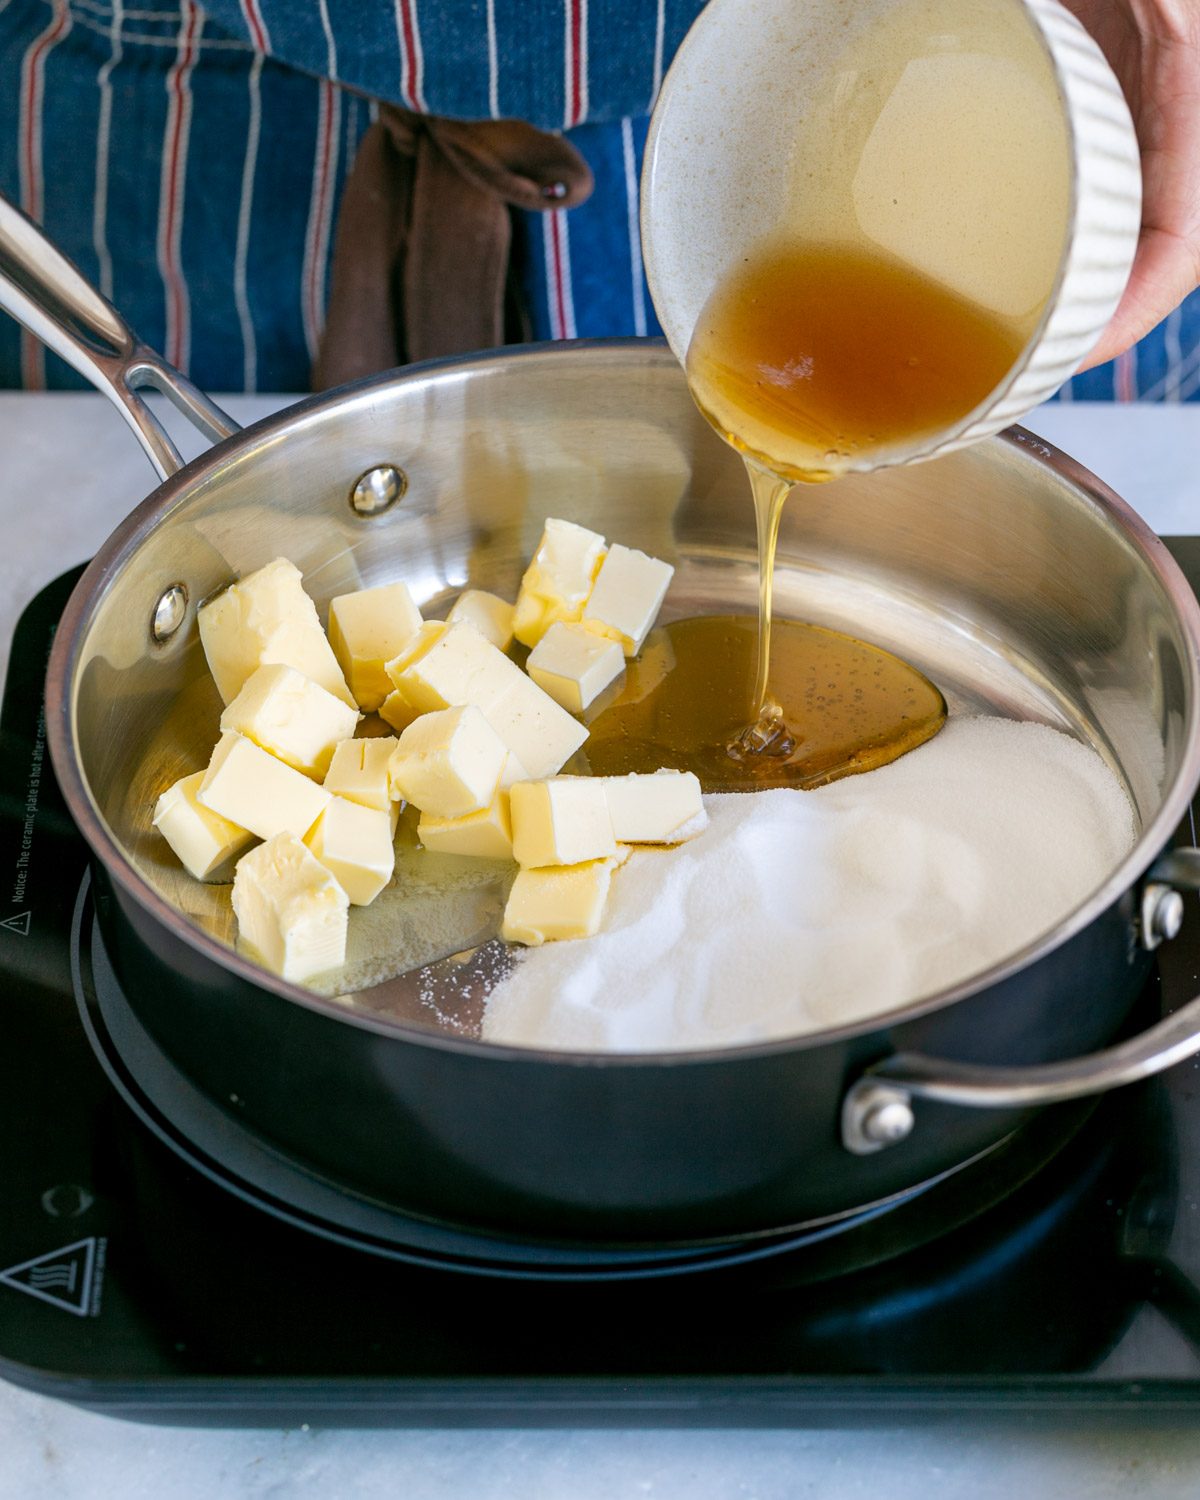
pixel 1162 914
pixel 875 1114
pixel 378 489
pixel 888 1122
pixel 169 613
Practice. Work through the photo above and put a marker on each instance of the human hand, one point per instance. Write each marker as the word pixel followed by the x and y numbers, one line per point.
pixel 1153 46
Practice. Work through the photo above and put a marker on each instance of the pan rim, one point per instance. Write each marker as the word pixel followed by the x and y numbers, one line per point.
pixel 109 561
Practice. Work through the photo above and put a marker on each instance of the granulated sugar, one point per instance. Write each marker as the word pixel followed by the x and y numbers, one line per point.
pixel 795 911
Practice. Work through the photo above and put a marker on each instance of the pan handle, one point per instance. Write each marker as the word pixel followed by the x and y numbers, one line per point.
pixel 877 1110
pixel 47 295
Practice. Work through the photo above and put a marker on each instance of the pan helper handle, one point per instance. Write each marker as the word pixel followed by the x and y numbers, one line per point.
pixel 48 295
pixel 877 1110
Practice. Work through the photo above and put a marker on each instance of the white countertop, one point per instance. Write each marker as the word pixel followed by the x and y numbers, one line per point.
pixel 69 471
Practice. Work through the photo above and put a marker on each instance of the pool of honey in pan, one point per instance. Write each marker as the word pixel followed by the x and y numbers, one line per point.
pixel 845 706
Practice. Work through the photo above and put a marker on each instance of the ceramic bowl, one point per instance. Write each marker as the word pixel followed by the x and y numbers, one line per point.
pixel 985 141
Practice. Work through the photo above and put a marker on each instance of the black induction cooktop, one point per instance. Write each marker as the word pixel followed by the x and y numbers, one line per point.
pixel 155 1265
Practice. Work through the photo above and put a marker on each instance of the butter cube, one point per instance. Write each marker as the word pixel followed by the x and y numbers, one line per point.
pixel 561 902
pixel 490 615
pixel 291 716
pixel 428 634
pixel 513 771
pixel 458 668
pixel 540 734
pixel 664 808
pixel 202 840
pixel 354 843
pixel 447 763
pixel 359 772
pixel 265 618
pixel 301 644
pixel 291 911
pixel 558 581
pixel 253 789
pixel 367 629
pixel 574 665
pixel 561 822
pixel 397 711
pixel 486 834
pixel 629 592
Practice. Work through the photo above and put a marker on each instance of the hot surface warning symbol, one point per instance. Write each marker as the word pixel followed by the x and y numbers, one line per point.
pixel 18 924
pixel 68 1278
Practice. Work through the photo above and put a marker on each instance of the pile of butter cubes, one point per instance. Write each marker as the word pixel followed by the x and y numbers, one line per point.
pixel 478 747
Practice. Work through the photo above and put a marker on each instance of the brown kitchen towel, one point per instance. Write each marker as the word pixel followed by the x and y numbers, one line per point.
pixel 421 257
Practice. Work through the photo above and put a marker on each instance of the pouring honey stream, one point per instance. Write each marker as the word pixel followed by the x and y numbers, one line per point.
pixel 810 360
pixel 913 214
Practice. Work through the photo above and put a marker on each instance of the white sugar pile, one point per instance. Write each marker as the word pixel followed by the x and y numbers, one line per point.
pixel 796 911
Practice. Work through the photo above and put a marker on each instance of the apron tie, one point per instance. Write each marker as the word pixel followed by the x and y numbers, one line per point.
pixel 421 255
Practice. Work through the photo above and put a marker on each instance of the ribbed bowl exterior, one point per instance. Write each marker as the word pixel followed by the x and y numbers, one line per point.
pixel 1106 210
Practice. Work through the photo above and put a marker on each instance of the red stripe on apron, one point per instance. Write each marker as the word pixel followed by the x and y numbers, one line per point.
pixel 258 27
pixel 558 277
pixel 317 237
pixel 411 60
pixel 33 79
pixel 575 62
pixel 171 213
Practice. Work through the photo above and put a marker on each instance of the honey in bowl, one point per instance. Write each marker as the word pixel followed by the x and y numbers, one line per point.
pixel 884 240
pixel 811 357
